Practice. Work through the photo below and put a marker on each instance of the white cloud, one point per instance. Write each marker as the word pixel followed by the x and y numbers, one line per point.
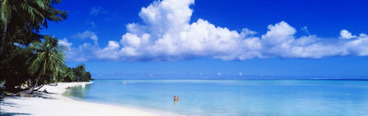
pixel 110 52
pixel 358 46
pixel 345 34
pixel 167 34
pixel 87 34
pixel 64 42
pixel 82 53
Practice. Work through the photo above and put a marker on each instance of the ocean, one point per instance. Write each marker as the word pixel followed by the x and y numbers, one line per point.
pixel 232 97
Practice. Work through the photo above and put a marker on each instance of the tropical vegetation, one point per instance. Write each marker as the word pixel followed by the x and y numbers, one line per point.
pixel 29 59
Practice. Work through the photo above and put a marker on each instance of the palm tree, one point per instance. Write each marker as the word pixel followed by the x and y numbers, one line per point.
pixel 79 72
pixel 67 74
pixel 20 25
pixel 9 8
pixel 48 62
pixel 32 14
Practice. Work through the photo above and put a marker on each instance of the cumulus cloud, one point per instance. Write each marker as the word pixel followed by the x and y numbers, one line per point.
pixel 83 52
pixel 110 52
pixel 66 43
pixel 87 35
pixel 167 34
pixel 345 34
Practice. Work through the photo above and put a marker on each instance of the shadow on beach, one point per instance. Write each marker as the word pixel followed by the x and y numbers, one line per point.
pixel 10 104
pixel 35 94
pixel 4 102
pixel 13 114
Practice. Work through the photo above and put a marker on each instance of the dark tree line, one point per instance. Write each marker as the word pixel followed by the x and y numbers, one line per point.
pixel 77 74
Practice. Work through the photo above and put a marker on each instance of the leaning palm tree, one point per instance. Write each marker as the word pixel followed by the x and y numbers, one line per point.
pixel 48 62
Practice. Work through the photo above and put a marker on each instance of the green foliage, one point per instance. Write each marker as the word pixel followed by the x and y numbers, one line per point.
pixel 14 69
pixel 81 74
pixel 66 74
pixel 77 74
pixel 49 59
pixel 27 56
pixel 22 20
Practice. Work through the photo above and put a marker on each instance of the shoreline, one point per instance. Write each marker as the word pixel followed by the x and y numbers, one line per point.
pixel 56 104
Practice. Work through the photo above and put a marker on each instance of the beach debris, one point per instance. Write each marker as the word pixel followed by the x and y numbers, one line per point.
pixel 45 91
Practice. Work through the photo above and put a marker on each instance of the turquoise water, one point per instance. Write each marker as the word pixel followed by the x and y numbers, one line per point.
pixel 233 97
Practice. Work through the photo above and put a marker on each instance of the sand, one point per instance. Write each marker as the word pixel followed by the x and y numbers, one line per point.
pixel 55 104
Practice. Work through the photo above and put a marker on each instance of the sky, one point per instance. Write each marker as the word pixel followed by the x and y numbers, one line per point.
pixel 215 39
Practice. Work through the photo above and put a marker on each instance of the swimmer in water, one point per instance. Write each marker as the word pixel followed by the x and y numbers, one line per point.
pixel 177 99
pixel 174 98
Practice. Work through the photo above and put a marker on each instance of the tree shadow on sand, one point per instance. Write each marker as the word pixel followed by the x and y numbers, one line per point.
pixel 13 114
pixel 4 102
pixel 10 104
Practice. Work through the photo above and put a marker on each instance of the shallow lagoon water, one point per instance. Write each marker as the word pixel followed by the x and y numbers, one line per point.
pixel 233 97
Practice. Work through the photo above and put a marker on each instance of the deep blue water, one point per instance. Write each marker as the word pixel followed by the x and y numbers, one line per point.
pixel 233 97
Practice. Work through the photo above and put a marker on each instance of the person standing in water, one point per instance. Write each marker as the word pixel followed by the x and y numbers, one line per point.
pixel 174 98
pixel 177 98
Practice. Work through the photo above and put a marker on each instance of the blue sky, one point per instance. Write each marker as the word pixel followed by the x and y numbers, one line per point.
pixel 216 39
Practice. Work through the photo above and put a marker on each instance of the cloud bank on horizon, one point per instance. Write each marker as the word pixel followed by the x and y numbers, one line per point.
pixel 167 34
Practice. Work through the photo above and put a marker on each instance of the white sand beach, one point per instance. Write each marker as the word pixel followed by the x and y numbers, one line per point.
pixel 55 104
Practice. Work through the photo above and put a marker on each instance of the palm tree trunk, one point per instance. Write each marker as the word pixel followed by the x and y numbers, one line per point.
pixel 35 85
pixel 3 2
pixel 3 37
